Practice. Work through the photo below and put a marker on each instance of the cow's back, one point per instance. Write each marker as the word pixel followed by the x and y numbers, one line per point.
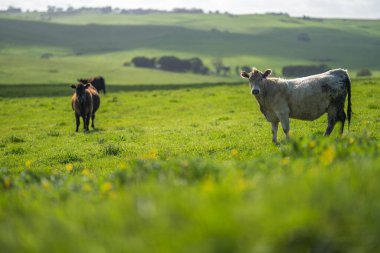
pixel 98 83
pixel 95 98
pixel 309 97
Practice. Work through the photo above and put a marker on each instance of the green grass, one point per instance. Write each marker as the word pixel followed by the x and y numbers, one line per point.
pixel 186 170
pixel 93 44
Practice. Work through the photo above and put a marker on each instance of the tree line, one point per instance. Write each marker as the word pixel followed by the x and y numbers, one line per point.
pixel 108 9
pixel 172 63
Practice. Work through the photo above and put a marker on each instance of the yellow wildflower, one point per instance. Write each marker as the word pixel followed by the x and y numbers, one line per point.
pixel 7 182
pixel 312 144
pixel 285 161
pixel 151 155
pixel 69 167
pixel 208 185
pixel 241 185
pixel 122 166
pixel 234 153
pixel 328 155
pixel 28 163
pixel 106 187
pixel 45 184
pixel 86 172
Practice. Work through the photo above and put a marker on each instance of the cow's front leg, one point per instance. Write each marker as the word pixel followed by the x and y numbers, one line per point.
pixel 274 131
pixel 284 118
pixel 77 121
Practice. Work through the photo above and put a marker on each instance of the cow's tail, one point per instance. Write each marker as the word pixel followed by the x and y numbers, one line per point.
pixel 103 84
pixel 349 110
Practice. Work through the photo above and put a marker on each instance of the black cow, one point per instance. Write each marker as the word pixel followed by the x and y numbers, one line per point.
pixel 98 82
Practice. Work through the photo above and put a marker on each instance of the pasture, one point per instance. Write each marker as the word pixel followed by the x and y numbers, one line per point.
pixel 185 170
pixel 180 162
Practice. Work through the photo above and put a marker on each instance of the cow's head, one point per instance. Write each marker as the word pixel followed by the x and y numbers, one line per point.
pixel 256 79
pixel 83 80
pixel 80 91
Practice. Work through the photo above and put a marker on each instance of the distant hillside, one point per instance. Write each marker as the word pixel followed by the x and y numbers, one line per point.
pixel 260 40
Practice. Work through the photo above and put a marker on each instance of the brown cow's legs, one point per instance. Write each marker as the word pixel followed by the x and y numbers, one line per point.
pixel 86 121
pixel 92 120
pixel 77 120
pixel 274 131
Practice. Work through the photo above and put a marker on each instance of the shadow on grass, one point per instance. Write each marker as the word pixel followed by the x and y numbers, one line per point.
pixel 57 90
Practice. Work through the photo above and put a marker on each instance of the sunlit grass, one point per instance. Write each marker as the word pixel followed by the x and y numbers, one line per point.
pixel 190 170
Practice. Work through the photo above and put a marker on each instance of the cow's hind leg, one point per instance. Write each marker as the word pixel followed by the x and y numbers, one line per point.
pixel 88 117
pixel 92 120
pixel 274 131
pixel 341 116
pixel 332 117
pixel 86 120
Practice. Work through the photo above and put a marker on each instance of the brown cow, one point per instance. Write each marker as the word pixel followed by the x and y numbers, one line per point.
pixel 85 102
pixel 305 98
pixel 98 82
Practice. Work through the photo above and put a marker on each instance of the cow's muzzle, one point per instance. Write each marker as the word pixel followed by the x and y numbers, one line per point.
pixel 255 92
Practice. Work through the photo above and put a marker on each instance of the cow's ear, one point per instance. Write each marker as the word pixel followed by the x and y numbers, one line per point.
pixel 73 86
pixel 86 86
pixel 244 74
pixel 267 73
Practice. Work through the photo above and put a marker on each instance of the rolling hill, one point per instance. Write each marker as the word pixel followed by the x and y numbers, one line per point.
pixel 89 44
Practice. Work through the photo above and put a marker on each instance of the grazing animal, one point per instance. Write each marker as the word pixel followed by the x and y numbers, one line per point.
pixel 304 98
pixel 98 82
pixel 85 102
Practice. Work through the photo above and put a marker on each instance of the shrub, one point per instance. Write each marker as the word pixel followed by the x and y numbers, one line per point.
pixel 246 68
pixel 364 72
pixel 46 56
pixel 172 63
pixel 144 62
pixel 303 70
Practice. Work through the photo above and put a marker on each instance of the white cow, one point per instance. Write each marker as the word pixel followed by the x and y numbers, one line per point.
pixel 304 98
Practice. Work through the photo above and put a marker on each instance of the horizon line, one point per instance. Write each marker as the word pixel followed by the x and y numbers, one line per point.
pixel 172 10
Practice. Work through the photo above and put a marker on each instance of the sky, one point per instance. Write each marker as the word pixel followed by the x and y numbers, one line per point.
pixel 368 9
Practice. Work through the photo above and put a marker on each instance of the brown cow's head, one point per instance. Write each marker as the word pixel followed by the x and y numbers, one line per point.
pixel 80 91
pixel 256 79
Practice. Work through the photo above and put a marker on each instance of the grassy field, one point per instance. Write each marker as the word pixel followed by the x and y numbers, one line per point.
pixel 186 170
pixel 93 44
